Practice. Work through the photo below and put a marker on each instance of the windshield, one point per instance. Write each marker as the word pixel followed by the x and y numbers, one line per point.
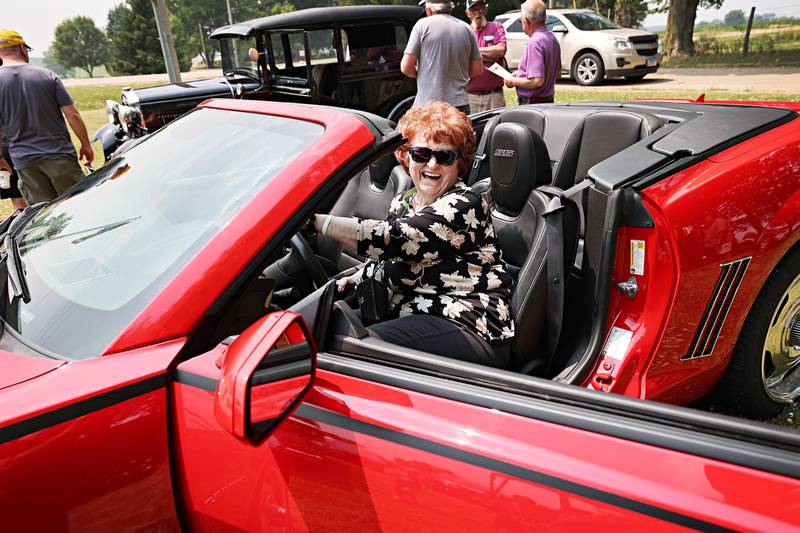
pixel 95 259
pixel 590 21
pixel 238 53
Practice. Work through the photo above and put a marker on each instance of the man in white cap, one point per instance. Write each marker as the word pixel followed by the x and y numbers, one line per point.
pixel 32 100
pixel 443 55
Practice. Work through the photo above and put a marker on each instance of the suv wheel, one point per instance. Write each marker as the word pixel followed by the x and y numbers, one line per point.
pixel 763 374
pixel 588 69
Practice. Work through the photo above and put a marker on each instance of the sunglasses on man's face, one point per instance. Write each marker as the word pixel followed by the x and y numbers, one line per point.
pixel 420 154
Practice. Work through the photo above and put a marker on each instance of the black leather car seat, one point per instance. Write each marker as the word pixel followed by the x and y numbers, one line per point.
pixel 367 195
pixel 520 163
pixel 596 138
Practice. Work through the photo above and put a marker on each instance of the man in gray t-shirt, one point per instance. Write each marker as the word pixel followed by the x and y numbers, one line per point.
pixel 32 100
pixel 443 55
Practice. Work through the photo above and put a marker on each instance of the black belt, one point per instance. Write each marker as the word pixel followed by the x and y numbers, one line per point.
pixel 499 89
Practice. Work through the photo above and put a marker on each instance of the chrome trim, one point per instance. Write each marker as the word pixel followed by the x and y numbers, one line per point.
pixel 716 311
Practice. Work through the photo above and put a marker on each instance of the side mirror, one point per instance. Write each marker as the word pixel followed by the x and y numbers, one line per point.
pixel 266 373
pixel 559 28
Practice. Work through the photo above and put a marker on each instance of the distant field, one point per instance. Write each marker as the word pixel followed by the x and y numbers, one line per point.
pixel 722 47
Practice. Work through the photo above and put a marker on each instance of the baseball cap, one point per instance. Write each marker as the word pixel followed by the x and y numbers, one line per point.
pixel 9 38
pixel 471 3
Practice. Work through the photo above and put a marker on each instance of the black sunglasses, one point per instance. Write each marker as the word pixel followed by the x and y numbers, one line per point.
pixel 420 154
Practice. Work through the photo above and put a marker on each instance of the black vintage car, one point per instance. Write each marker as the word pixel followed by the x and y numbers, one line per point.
pixel 340 56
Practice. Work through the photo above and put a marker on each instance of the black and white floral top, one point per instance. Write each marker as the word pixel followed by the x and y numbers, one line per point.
pixel 442 260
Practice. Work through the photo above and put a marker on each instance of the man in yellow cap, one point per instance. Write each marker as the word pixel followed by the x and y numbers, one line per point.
pixel 32 100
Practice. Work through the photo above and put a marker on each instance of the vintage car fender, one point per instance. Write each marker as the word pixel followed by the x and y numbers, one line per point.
pixel 107 137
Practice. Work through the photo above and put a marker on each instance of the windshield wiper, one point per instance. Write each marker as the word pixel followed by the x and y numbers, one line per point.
pixel 14 264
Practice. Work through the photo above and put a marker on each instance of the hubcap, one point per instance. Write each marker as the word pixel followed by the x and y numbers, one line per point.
pixel 587 69
pixel 780 365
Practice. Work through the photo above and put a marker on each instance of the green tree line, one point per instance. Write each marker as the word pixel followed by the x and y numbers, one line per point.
pixel 130 43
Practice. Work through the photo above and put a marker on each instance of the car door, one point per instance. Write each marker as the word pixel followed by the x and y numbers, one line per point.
pixel 83 444
pixel 565 42
pixel 369 446
pixel 516 40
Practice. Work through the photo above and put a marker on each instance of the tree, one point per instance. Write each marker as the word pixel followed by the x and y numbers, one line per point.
pixel 735 18
pixel 193 20
pixel 135 46
pixel 81 44
pixel 50 62
pixel 678 40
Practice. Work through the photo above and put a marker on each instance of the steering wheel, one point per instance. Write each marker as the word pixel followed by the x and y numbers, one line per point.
pixel 301 246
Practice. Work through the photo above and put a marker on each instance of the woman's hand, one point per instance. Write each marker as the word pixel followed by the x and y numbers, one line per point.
pixel 353 279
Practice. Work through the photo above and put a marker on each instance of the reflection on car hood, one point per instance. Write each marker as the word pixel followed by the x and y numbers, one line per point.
pixel 16 368
pixel 624 32
pixel 199 89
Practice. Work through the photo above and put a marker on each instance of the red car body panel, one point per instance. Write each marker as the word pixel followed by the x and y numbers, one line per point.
pixel 19 368
pixel 180 305
pixel 131 440
pixel 432 464
pixel 87 446
pixel 690 241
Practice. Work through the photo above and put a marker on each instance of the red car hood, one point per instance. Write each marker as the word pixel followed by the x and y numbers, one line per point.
pixel 16 368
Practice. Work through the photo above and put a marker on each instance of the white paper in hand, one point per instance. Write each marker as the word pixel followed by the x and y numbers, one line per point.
pixel 500 71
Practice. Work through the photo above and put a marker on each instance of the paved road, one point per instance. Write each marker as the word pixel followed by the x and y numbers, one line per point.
pixel 692 79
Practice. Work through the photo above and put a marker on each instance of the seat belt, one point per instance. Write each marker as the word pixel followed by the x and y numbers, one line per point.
pixel 480 152
pixel 556 275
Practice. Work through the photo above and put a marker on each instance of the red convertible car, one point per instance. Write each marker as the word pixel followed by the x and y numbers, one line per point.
pixel 174 356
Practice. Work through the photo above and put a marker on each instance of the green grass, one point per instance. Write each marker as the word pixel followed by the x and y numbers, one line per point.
pixel 569 95
pixel 88 97
pixel 781 48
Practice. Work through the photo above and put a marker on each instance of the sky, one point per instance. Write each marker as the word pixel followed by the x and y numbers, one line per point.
pixel 36 20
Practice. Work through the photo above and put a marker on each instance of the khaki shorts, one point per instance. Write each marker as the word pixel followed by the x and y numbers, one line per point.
pixel 48 178
pixel 485 102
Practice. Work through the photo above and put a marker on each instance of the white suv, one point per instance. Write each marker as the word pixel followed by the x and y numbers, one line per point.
pixel 592 47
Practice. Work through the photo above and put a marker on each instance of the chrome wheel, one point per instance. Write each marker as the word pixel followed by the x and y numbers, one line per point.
pixel 587 70
pixel 780 363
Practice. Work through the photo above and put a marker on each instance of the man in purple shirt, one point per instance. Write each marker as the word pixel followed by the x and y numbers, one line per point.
pixel 540 64
pixel 486 91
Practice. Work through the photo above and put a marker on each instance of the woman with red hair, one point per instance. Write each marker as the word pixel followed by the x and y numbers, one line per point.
pixel 436 250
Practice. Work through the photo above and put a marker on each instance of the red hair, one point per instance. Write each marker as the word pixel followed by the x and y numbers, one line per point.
pixel 439 122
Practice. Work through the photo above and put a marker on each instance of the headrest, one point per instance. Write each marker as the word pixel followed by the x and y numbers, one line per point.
pixel 380 169
pixel 519 164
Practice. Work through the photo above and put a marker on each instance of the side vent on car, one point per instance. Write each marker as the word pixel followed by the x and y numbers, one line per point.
pixel 705 338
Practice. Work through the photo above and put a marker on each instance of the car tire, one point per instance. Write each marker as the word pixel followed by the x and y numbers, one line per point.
pixel 638 77
pixel 773 325
pixel 588 69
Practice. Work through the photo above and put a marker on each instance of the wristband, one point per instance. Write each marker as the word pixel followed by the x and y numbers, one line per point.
pixel 325 225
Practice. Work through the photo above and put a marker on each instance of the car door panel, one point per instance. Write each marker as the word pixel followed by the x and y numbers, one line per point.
pixel 369 456
pixel 104 421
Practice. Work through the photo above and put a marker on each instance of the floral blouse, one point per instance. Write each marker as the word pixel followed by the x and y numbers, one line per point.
pixel 442 260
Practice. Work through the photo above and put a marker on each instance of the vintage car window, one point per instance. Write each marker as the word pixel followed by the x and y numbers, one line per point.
pixel 280 64
pixel 322 47
pixel 297 47
pixel 549 22
pixel 516 27
pixel 95 259
pixel 235 54
pixel 373 47
pixel 590 21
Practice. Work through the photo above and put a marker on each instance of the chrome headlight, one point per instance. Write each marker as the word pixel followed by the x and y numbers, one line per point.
pixel 128 117
pixel 621 44
pixel 112 109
